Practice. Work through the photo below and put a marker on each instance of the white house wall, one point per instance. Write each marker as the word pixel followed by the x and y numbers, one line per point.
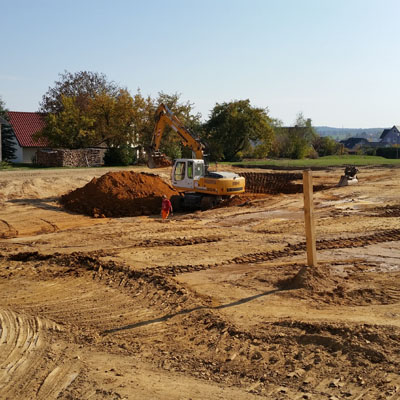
pixel 18 152
pixel 29 153
pixel 24 155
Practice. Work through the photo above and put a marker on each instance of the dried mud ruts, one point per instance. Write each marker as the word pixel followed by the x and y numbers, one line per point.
pixel 109 270
pixel 275 183
pixel 325 244
pixel 92 262
pixel 176 242
pixel 391 211
pixel 291 249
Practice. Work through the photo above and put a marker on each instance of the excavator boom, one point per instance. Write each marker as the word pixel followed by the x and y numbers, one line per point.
pixel 163 118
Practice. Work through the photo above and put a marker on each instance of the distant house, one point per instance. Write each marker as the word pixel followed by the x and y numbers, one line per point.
pixel 24 125
pixel 391 136
pixel 354 144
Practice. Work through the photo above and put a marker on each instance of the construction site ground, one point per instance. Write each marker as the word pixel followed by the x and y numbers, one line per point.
pixel 208 305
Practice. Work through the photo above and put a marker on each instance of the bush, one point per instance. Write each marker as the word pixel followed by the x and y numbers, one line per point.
pixel 4 165
pixel 313 154
pixel 370 152
pixel 123 155
pixel 388 152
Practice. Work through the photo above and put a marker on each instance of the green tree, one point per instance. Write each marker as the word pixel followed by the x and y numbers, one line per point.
pixel 113 118
pixel 71 127
pixel 233 127
pixel 144 109
pixel 82 86
pixel 296 141
pixel 7 136
pixel 326 146
pixel 84 110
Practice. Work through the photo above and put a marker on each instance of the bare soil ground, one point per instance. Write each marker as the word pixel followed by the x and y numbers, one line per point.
pixel 209 305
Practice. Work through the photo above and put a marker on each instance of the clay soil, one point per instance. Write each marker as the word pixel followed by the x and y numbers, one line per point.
pixel 208 305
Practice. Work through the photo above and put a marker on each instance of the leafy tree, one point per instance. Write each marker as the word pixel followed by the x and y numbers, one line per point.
pixel 84 110
pixel 113 118
pixel 7 136
pixel 300 137
pixel 326 146
pixel 295 142
pixel 122 155
pixel 233 127
pixel 82 86
pixel 143 121
pixel 71 127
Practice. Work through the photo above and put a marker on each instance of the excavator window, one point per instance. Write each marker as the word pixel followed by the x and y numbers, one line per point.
pixel 199 169
pixel 190 170
pixel 180 171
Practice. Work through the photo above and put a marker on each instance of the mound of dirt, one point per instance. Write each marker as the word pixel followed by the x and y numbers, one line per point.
pixel 120 194
pixel 311 278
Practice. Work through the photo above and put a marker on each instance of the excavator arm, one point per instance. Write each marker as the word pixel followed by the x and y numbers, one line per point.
pixel 164 117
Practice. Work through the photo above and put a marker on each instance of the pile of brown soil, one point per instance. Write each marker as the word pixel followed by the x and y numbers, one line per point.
pixel 315 279
pixel 120 194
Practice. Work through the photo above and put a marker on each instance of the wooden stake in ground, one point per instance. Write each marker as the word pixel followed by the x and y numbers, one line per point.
pixel 0 142
pixel 309 218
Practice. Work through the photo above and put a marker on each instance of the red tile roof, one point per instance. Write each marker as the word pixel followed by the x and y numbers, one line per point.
pixel 25 124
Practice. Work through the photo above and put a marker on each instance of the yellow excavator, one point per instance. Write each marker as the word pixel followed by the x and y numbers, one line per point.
pixel 200 187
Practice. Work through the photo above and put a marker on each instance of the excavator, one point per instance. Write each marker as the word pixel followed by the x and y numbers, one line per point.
pixel 201 188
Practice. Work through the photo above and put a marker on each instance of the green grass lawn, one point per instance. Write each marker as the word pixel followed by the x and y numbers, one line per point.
pixel 328 161
pixel 17 167
pixel 321 162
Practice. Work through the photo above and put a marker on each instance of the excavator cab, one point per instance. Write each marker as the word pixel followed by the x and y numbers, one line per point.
pixel 186 173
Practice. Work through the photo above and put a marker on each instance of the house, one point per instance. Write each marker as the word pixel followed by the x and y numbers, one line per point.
pixel 391 136
pixel 24 125
pixel 353 144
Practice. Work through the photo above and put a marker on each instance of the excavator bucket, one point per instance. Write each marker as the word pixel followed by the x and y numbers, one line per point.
pixel 158 160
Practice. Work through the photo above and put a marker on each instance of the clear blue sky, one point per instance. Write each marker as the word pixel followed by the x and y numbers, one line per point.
pixel 337 61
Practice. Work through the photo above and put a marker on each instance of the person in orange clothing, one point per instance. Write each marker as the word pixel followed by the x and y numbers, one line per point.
pixel 166 207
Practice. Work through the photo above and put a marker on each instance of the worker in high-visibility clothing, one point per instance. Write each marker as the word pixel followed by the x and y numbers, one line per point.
pixel 166 208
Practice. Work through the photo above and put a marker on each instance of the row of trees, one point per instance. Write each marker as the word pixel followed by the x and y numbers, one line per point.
pixel 84 109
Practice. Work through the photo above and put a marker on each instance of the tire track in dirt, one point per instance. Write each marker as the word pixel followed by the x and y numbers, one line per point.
pixel 176 242
pixel 93 261
pixel 270 359
pixel 11 233
pixel 57 381
pixel 389 211
pixel 54 227
pixel 23 361
pixel 212 348
pixel 288 251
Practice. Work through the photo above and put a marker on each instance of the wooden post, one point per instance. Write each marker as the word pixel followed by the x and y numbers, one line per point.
pixel 0 142
pixel 309 218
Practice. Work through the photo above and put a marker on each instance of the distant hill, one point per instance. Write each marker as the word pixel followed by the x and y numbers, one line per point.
pixel 372 134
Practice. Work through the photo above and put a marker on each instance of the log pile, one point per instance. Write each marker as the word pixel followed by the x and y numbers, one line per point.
pixel 70 158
